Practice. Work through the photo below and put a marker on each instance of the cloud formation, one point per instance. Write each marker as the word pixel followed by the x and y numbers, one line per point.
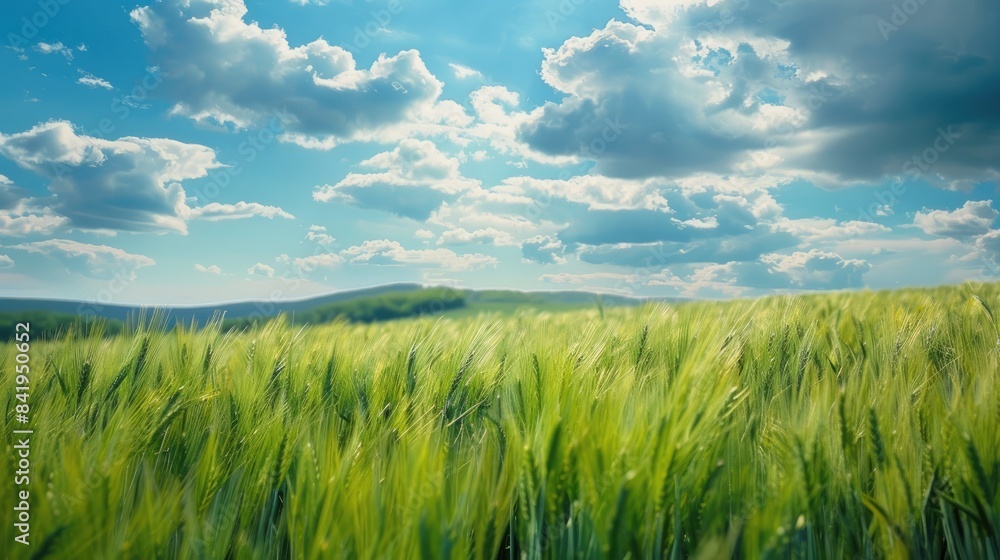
pixel 387 253
pixel 55 48
pixel 215 211
pixel 93 81
pixel 88 259
pixel 130 184
pixel 413 180
pixel 222 68
pixel 210 269
pixel 800 88
pixel 974 218
pixel 261 269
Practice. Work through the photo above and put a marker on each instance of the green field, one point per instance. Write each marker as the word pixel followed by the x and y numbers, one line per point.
pixel 845 425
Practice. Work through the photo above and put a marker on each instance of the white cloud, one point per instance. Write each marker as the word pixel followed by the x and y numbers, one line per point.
pixel 988 246
pixel 90 259
pixel 93 81
pixel 211 269
pixel 597 192
pixel 318 235
pixel 6 262
pixel 818 269
pixel 815 230
pixel 55 48
pixel 129 184
pixel 974 218
pixel 261 269
pixel 415 179
pixel 224 69
pixel 543 249
pixel 812 270
pixel 315 262
pixel 216 212
pixel 424 234
pixel 487 236
pixel 26 218
pixel 463 72
pixel 385 252
pixel 792 88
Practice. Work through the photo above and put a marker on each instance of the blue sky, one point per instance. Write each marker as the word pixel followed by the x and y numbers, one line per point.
pixel 199 151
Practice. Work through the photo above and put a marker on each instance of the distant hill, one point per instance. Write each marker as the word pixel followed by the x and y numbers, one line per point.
pixel 200 314
pixel 382 303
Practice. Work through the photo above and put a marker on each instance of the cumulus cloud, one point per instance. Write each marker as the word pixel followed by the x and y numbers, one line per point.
pixel 211 269
pixel 24 220
pixel 413 180
pixel 486 236
pixel 313 263
pixel 223 68
pixel 55 48
pixel 129 184
pixel 464 72
pixel 815 230
pixel 615 221
pixel 812 270
pixel 543 249
pixel 6 262
pixel 386 253
pixel 974 218
pixel 634 109
pixel 10 195
pixel 21 215
pixel 595 191
pixel 318 235
pixel 811 89
pixel 91 260
pixel 261 269
pixel 988 245
pixel 705 218
pixel 215 211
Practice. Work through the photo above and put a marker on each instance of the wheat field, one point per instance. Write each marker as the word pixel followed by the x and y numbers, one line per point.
pixel 846 425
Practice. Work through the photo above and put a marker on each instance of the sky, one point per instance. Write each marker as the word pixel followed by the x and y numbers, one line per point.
pixel 199 151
